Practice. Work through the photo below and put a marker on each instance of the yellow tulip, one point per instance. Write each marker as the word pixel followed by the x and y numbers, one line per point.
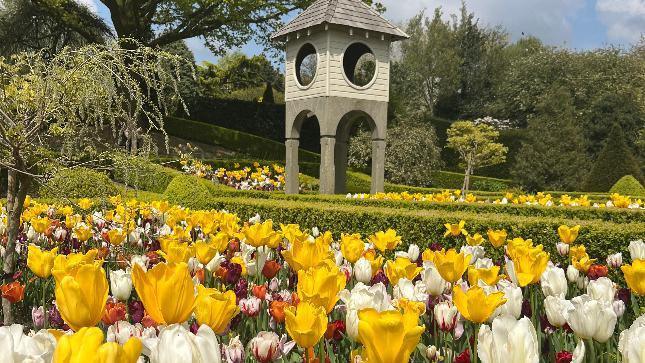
pixel 352 246
pixel 635 276
pixel 474 240
pixel 117 236
pixel 577 251
pixel 205 251
pixel 86 345
pixel 82 232
pixel 41 262
pixel 496 237
pixel 306 324
pixel 178 252
pixel 261 234
pixel 582 263
pixel 305 253
pixel 384 241
pixel 376 262
pixel 399 268
pixel 490 276
pixel 240 261
pixel 85 203
pixel 291 232
pixel 528 262
pixel 71 220
pixel 40 224
pixel 451 265
pixel 568 234
pixel 68 262
pixel 167 292
pixel 81 293
pixel 428 255
pixel 474 304
pixel 455 229
pixel 219 241
pixel 320 285
pixel 389 336
pixel 215 308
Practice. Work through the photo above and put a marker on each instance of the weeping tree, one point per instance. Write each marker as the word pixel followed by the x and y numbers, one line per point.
pixel 91 88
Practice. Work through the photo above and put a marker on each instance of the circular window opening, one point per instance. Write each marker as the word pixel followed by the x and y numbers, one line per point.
pixel 359 64
pixel 306 64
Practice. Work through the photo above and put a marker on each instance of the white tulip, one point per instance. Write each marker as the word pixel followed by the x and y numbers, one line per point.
pixel 18 347
pixel 602 289
pixel 141 260
pixel 255 219
pixel 121 284
pixel 582 282
pixel 176 344
pixel 557 310
pixel 554 282
pixel 363 297
pixel 484 263
pixel 563 248
pixel 637 249
pixel 405 289
pixel 122 331
pixel 513 304
pixel 631 343
pixel 572 274
pixel 509 340
pixel 619 308
pixel 435 284
pixel 591 318
pixel 579 352
pixel 615 260
pixel 413 252
pixel 338 257
pixel 214 264
pixel 363 270
pixel 234 351
pixel 476 252
pixel 265 347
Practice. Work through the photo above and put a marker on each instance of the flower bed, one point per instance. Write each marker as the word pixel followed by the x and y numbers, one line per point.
pixel 258 177
pixel 540 199
pixel 125 280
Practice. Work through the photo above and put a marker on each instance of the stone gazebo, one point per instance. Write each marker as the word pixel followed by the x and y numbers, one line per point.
pixel 338 70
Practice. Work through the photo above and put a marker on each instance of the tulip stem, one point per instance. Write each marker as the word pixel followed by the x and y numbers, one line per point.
pixel 45 323
pixel 473 354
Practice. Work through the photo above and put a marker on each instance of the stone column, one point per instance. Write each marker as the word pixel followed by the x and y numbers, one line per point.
pixel 378 166
pixel 341 167
pixel 291 168
pixel 327 167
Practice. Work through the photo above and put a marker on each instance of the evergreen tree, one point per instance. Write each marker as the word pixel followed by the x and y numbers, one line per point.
pixel 614 161
pixel 553 156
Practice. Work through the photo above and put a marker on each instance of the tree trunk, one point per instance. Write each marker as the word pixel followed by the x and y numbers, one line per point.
pixel 17 188
pixel 465 186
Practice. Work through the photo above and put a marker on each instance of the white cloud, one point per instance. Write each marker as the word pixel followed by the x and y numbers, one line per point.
pixel 625 19
pixel 90 5
pixel 550 20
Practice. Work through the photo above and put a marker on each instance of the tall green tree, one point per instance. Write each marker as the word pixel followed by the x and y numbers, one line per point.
pixel 553 157
pixel 477 147
pixel 614 161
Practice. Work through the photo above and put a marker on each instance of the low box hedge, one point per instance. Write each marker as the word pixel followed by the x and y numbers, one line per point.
pixel 78 183
pixel 424 227
pixel 142 174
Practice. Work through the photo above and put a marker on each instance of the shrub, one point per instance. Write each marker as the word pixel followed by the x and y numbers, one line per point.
pixel 189 191
pixel 78 183
pixel 628 185
pixel 614 161
pixel 411 153
pixel 142 174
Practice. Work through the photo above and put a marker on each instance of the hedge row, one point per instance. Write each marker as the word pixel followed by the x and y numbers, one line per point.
pixel 142 174
pixel 424 227
pixel 577 213
pixel 242 142
pixel 78 183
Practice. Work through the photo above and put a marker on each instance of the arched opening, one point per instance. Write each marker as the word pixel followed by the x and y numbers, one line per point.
pixel 359 65
pixel 356 124
pixel 305 135
pixel 306 65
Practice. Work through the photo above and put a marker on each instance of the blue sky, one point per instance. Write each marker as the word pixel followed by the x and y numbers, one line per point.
pixel 578 24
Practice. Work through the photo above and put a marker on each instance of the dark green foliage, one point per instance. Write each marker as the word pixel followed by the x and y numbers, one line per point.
pixel 614 161
pixel 189 191
pixel 78 183
pixel 142 174
pixel 242 142
pixel 553 157
pixel 628 185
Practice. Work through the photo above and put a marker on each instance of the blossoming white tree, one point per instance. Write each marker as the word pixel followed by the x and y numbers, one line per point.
pixel 92 87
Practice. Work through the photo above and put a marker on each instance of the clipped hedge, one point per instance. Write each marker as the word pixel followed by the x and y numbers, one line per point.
pixel 78 183
pixel 142 174
pixel 426 226
pixel 242 142
pixel 189 191
pixel 628 185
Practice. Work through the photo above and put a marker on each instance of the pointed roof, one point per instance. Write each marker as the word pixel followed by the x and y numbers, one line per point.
pixel 352 13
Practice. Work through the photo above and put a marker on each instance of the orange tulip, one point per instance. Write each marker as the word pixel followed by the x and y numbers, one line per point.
pixel 13 291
